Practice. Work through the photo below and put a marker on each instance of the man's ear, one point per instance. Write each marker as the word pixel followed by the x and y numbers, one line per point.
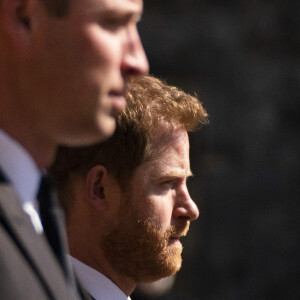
pixel 15 18
pixel 96 188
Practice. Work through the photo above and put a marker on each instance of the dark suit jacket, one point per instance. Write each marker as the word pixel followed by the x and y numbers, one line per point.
pixel 28 268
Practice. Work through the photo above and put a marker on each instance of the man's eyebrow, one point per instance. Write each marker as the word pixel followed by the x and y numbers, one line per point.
pixel 190 174
pixel 175 174
pixel 135 16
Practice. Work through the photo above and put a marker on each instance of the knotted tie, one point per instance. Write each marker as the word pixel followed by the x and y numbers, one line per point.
pixel 52 221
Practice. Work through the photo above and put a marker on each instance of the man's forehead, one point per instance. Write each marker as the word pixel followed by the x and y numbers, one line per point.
pixel 133 6
pixel 168 139
pixel 168 163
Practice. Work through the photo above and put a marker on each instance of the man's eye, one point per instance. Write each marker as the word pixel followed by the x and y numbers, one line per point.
pixel 169 183
pixel 111 24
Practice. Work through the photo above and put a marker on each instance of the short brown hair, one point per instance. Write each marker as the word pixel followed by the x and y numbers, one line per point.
pixel 151 106
pixel 58 8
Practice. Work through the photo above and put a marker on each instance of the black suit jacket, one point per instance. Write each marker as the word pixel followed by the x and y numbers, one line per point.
pixel 28 268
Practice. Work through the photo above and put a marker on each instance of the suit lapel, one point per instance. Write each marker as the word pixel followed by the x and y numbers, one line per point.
pixel 33 246
pixel 84 293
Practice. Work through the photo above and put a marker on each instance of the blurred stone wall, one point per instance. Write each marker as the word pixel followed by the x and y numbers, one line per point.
pixel 242 60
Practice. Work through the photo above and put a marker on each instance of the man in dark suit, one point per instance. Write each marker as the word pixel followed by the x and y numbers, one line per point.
pixel 63 70
pixel 126 200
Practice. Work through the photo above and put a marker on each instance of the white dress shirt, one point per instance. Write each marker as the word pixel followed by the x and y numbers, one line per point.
pixel 95 283
pixel 19 167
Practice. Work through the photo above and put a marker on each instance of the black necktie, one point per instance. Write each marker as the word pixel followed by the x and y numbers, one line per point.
pixel 2 177
pixel 52 221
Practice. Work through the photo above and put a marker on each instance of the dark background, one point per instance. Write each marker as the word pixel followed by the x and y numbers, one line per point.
pixel 242 60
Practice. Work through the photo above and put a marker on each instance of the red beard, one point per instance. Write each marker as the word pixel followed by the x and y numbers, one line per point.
pixel 136 249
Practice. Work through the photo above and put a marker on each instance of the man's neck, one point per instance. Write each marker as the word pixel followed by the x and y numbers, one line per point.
pixel 40 149
pixel 97 284
pixel 21 123
pixel 97 261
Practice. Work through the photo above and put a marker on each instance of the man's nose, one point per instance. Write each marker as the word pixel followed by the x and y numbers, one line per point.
pixel 185 207
pixel 134 61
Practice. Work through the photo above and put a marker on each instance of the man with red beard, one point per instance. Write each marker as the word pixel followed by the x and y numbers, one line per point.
pixel 126 200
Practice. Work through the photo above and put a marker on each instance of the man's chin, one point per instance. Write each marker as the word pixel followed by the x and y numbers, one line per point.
pixel 165 264
pixel 106 127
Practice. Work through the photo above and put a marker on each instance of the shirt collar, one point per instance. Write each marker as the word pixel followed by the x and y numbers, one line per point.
pixel 95 283
pixel 20 168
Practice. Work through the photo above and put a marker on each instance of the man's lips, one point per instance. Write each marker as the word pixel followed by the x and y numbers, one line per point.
pixel 118 101
pixel 174 240
pixel 178 233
